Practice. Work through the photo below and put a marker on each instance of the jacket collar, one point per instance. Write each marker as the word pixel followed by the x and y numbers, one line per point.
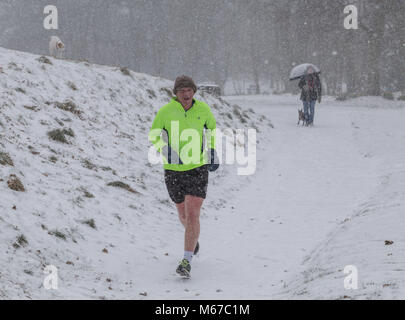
pixel 178 103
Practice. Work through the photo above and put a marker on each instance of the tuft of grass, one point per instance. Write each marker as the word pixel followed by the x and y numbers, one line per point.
pixel 58 234
pixel 151 93
pixel 236 112
pixel 32 108
pixel 22 240
pixel 15 184
pixel 69 106
pixel 21 90
pixel 86 193
pixel 5 159
pixel 90 222
pixel 122 185
pixel 125 71
pixel 14 66
pixel 69 132
pixel 401 97
pixel 88 164
pixel 72 86
pixel 53 159
pixel 44 59
pixel 59 135
pixel 168 92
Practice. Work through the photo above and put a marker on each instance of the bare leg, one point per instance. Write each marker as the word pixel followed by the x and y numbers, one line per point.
pixel 192 222
pixel 181 209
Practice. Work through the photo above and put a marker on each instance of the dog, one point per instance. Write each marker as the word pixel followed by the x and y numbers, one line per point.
pixel 301 117
pixel 56 47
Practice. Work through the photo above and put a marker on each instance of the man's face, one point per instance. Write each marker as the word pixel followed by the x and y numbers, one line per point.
pixel 185 95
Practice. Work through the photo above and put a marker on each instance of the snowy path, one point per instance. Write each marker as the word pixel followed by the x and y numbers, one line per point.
pixel 307 183
pixel 310 180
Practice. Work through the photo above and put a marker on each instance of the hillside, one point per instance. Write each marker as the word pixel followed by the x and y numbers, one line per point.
pixel 73 140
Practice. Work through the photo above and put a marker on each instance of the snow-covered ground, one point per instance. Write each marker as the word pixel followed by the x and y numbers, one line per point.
pixel 327 197
pixel 322 197
pixel 107 242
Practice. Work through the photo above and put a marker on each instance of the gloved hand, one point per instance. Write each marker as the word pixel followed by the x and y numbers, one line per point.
pixel 213 161
pixel 171 155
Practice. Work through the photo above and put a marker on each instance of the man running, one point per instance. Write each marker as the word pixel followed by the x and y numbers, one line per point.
pixel 185 161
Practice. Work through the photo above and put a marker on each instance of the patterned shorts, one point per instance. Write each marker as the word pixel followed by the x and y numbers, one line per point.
pixel 181 183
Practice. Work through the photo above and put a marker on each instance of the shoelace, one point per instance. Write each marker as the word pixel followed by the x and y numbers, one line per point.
pixel 184 262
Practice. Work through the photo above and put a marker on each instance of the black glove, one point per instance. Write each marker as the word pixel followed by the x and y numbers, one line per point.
pixel 214 161
pixel 171 155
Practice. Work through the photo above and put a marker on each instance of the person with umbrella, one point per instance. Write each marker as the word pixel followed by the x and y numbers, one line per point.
pixel 311 90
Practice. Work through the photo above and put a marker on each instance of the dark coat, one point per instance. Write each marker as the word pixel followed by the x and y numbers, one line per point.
pixel 314 87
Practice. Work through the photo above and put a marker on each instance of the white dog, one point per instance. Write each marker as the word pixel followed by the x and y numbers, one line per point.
pixel 56 47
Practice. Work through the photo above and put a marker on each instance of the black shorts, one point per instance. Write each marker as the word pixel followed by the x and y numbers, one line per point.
pixel 181 183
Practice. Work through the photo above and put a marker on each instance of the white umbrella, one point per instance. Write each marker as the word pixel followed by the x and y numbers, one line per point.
pixel 301 70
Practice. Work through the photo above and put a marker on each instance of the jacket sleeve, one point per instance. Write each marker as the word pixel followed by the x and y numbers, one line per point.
pixel 155 132
pixel 301 83
pixel 319 87
pixel 211 124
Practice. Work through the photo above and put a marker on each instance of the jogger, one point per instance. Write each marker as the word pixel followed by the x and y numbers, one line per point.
pixel 186 163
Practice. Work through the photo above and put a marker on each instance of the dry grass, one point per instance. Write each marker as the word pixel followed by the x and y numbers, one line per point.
pixel 58 234
pixel 125 71
pixel 69 106
pixel 5 159
pixel 44 59
pixel 72 86
pixel 88 164
pixel 151 93
pixel 168 92
pixel 90 222
pixel 59 135
pixel 122 185
pixel 15 184
pixel 22 240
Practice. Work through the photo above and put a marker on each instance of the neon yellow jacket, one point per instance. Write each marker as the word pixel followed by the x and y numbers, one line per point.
pixel 185 131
